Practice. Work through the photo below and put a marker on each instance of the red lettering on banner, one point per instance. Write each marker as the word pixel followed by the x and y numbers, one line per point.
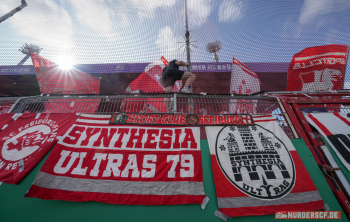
pixel 227 121
pixel 174 119
pixel 189 138
pixel 165 119
pixel 165 135
pixel 176 144
pixel 106 138
pixel 157 118
pixel 74 135
pixel 151 136
pixel 205 119
pixel 239 119
pixel 152 119
pixel 122 132
pixel 131 118
pixel 144 119
pixel 220 119
pixel 212 119
pixel 137 118
pixel 182 119
pixel 89 133
pixel 232 119
pixel 133 137
pixel 171 119
pixel 200 119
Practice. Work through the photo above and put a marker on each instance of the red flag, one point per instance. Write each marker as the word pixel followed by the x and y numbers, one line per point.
pixel 131 165
pixel 52 79
pixel 257 170
pixel 27 140
pixel 318 68
pixel 149 82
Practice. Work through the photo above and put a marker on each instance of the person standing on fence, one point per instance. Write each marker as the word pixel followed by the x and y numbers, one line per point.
pixel 171 74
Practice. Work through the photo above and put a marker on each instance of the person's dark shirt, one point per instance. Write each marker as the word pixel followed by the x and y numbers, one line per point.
pixel 171 65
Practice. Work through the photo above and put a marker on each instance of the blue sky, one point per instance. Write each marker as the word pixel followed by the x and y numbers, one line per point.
pixel 113 31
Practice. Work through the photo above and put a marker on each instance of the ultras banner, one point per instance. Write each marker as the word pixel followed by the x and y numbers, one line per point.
pixel 257 170
pixel 27 140
pixel 133 165
pixel 318 68
pixel 335 128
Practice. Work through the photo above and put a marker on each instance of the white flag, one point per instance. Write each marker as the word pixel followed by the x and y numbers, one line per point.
pixel 243 81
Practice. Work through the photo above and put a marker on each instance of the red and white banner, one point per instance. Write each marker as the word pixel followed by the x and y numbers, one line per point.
pixel 257 170
pixel 318 68
pixel 335 128
pixel 243 81
pixel 27 140
pixel 132 165
pixel 52 79
pixel 6 119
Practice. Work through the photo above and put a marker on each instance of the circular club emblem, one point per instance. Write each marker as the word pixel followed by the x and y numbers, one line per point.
pixel 192 119
pixel 25 143
pixel 255 161
pixel 120 118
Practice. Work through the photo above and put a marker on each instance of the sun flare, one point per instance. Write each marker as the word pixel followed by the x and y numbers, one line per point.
pixel 65 63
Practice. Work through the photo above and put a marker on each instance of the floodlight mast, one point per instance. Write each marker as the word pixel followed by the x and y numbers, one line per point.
pixel 214 47
pixel 14 11
pixel 27 49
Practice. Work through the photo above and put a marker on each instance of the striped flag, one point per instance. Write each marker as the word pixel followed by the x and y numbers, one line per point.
pixel 132 165
pixel 257 170
pixel 335 128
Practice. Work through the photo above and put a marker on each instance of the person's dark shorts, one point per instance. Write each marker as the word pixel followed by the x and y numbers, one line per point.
pixel 170 76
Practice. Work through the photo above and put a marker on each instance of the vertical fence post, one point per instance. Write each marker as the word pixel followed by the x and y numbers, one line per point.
pixel 285 115
pixel 175 105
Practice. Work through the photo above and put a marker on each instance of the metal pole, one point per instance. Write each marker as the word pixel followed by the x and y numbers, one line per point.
pixel 187 37
pixel 14 11
pixel 24 60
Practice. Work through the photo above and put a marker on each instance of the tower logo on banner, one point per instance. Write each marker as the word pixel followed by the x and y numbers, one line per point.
pixel 262 168
pixel 28 140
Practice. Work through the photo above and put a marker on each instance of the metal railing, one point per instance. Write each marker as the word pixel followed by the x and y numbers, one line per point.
pixel 160 103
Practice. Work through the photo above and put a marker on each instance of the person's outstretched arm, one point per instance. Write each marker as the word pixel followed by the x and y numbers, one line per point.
pixel 181 63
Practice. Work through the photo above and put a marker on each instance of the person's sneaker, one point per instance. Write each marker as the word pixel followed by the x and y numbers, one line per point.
pixel 185 90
